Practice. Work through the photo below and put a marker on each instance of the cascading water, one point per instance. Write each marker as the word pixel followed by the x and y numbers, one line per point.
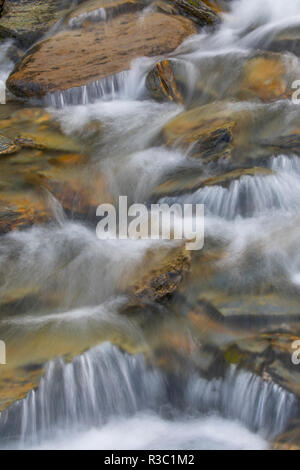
pixel 79 285
pixel 251 196
pixel 104 383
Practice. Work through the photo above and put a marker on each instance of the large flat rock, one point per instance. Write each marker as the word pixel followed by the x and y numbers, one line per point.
pixel 77 57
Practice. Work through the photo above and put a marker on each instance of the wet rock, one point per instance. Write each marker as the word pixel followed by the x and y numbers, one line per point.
pixel 14 53
pixel 105 50
pixel 266 77
pixel 289 141
pixel 7 146
pixel 290 440
pixel 218 5
pixel 47 140
pixel 28 119
pixel 287 39
pixel 191 181
pixel 162 84
pixel 164 274
pixel 34 128
pixel 15 295
pixel 226 179
pixel 20 211
pixel 207 137
pixel 258 310
pixel 165 7
pixel 270 356
pixel 95 10
pixel 27 20
pixel 32 115
pixel 47 162
pixel 183 181
pixel 198 10
pixel 206 322
pixel 69 159
pixel 170 80
pixel 79 193
pixel 234 131
pixel 15 385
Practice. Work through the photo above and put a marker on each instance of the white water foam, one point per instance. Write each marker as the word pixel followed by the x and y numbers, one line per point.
pixel 150 431
pixel 104 383
pixel 251 196
pixel 71 260
pixel 95 386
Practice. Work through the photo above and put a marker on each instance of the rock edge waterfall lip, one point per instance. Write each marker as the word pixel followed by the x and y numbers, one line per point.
pixel 105 382
pixel 158 33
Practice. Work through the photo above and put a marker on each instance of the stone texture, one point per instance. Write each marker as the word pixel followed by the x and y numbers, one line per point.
pixel 77 57
pixel 27 20
pixel 199 11
pixel 164 274
pixel 92 10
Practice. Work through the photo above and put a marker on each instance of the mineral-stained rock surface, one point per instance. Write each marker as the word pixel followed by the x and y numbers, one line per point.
pixel 27 20
pixel 78 57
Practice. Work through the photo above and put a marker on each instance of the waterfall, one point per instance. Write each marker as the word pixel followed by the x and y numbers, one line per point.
pixel 263 407
pixel 99 384
pixel 251 196
pixel 85 94
pixel 64 287
pixel 104 382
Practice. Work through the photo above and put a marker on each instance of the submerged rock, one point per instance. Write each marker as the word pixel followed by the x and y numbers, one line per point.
pixel 28 119
pixel 286 39
pixel 184 183
pixel 69 159
pixel 55 64
pixel 7 146
pixel 266 77
pixel 35 128
pixel 47 162
pixel 289 141
pixel 27 20
pixel 20 211
pixel 270 356
pixel 289 440
pixel 49 140
pixel 209 137
pixel 234 131
pixel 226 178
pixel 32 116
pixel 95 10
pixel 79 194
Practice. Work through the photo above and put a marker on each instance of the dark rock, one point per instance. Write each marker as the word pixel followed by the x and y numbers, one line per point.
pixel 198 11
pixel 27 20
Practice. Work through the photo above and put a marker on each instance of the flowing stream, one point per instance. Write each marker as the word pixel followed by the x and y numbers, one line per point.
pixel 105 380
